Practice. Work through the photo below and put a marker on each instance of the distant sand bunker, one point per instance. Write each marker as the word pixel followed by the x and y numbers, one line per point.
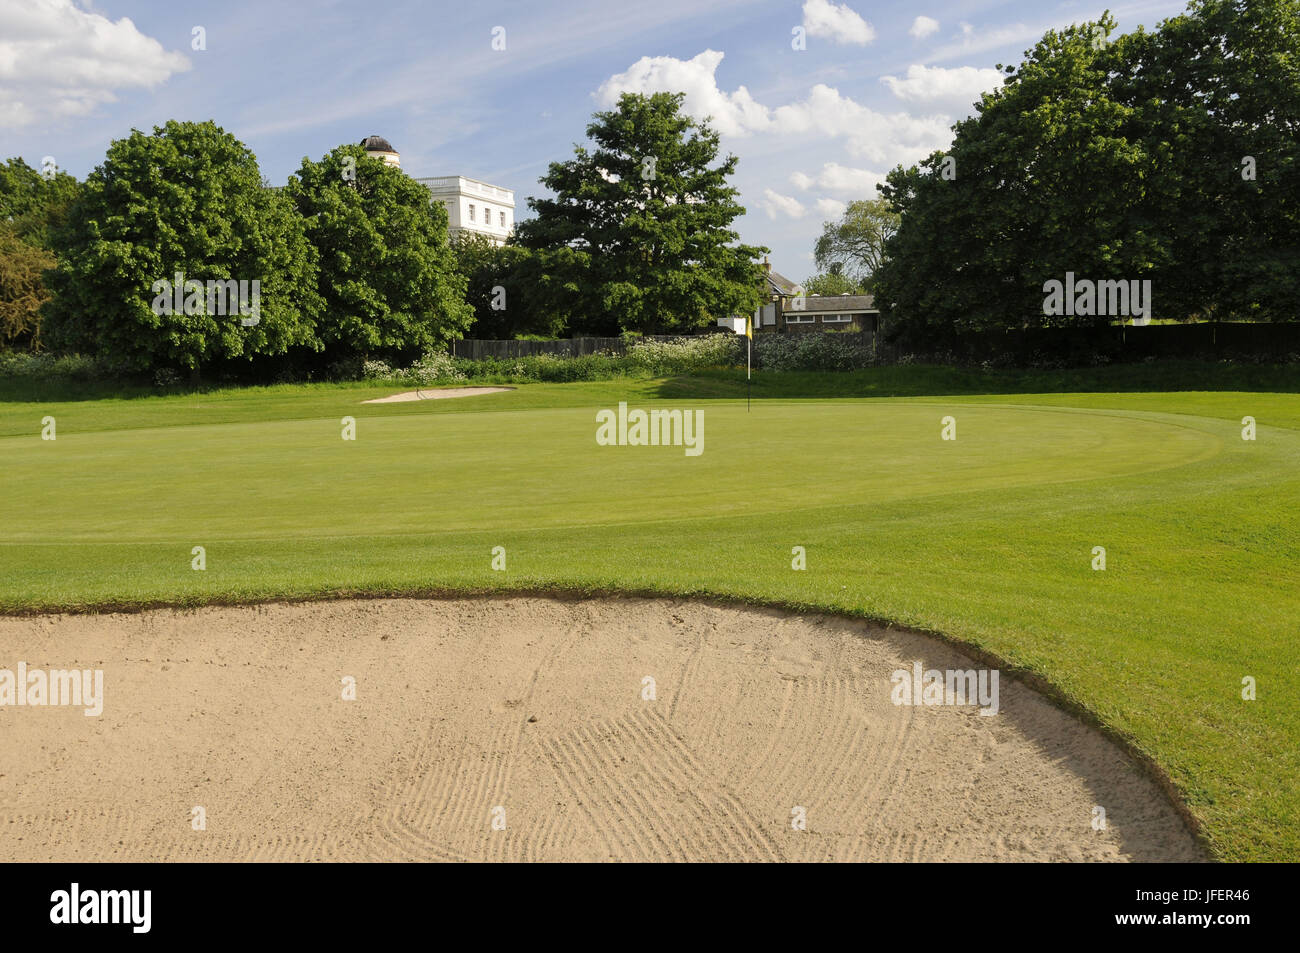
pixel 535 713
pixel 436 394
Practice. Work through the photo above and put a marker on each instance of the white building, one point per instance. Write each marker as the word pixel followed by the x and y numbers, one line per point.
pixel 472 206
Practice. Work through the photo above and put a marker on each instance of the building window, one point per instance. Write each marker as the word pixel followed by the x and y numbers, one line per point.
pixel 471 211
pixel 487 216
pixel 799 319
pixel 503 219
pixel 837 318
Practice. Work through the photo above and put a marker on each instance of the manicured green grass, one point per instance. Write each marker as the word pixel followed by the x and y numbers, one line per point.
pixel 987 539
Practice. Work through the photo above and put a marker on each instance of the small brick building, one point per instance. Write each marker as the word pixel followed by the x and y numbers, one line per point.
pixel 788 309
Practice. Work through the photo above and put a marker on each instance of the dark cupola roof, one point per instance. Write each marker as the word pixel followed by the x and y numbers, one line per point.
pixel 377 144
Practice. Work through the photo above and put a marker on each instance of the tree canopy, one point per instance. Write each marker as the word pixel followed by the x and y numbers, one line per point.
pixel 34 203
pixel 185 200
pixel 832 283
pixel 854 246
pixel 22 289
pixel 513 290
pixel 1171 156
pixel 647 216
pixel 387 275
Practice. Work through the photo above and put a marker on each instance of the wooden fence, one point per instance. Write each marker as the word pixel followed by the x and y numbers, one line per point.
pixel 478 350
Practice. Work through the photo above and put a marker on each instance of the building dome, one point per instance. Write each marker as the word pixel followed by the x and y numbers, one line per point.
pixel 381 148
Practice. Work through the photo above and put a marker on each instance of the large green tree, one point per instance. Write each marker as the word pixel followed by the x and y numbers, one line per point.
pixel 186 199
pixel 387 273
pixel 1115 158
pixel 648 213
pixel 1045 179
pixel 1218 90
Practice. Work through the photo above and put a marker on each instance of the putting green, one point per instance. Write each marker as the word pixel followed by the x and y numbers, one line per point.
pixel 524 470
pixel 988 539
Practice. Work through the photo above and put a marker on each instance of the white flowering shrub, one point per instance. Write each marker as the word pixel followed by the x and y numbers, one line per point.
pixel 434 367
pixel 684 355
pixel 814 351
pixel 376 371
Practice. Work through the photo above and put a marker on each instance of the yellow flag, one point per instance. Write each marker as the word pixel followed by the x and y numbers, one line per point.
pixel 749 326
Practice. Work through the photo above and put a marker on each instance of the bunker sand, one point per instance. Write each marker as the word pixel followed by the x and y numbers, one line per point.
pixel 539 707
pixel 440 393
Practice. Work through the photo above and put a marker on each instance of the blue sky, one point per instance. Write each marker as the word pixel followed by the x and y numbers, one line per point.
pixel 876 84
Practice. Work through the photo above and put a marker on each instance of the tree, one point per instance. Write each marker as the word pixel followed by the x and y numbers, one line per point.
pixel 511 288
pixel 832 283
pixel 1121 160
pixel 854 246
pixel 1219 92
pixel 186 200
pixel 32 203
pixel 387 274
pixel 647 217
pixel 1048 178
pixel 22 290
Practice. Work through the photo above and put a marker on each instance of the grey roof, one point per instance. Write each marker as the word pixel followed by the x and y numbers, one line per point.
pixel 815 304
pixel 778 283
pixel 377 144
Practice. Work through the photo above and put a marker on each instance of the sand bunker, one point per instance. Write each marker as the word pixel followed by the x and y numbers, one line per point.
pixel 436 394
pixel 537 714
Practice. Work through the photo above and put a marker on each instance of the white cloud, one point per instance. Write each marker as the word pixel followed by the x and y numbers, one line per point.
pixel 882 139
pixel 774 203
pixel 57 60
pixel 734 114
pixel 954 90
pixel 835 21
pixel 858 183
pixel 923 27
pixel 831 208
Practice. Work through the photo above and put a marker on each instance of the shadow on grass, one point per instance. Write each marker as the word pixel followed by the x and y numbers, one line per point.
pixel 20 390
pixel 926 380
pixel 910 380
